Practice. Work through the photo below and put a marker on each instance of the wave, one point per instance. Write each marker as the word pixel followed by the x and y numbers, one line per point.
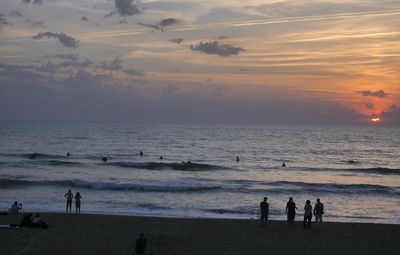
pixel 372 170
pixel 184 166
pixel 7 183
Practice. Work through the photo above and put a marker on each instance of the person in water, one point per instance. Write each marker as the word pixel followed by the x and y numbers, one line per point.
pixel 283 164
pixel 69 196
pixel 307 214
pixel 291 210
pixel 68 154
pixel 264 208
pixel 141 244
pixel 78 202
pixel 141 153
pixel 104 159
pixel 318 210
pixel 161 158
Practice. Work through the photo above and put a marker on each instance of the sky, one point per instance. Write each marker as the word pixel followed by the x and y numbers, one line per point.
pixel 201 61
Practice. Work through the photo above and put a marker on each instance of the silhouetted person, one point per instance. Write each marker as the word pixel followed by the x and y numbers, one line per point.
pixel 291 210
pixel 161 158
pixel 264 208
pixel 15 207
pixel 68 154
pixel 104 159
pixel 283 164
pixel 237 159
pixel 26 220
pixel 189 162
pixel 69 196
pixel 38 223
pixel 78 202
pixel 141 153
pixel 318 210
pixel 141 244
pixel 33 155
pixel 307 214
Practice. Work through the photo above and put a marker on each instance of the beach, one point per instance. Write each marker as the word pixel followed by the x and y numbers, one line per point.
pixel 116 234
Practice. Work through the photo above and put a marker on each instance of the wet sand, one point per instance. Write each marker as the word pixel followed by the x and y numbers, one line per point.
pixel 111 234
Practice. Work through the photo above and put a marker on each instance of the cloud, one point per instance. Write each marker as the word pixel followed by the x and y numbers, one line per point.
pixel 84 18
pixel 71 57
pixel 66 40
pixel 370 106
pixel 39 2
pixel 379 93
pixel 161 25
pixel 3 20
pixel 167 22
pixel 214 47
pixel 116 65
pixel 177 40
pixel 126 7
pixel 34 23
pixel 392 115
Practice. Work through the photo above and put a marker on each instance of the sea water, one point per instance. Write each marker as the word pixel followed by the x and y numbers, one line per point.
pixel 355 171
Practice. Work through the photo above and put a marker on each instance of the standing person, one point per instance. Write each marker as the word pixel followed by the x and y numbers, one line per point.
pixel 307 214
pixel 318 210
pixel 69 196
pixel 78 202
pixel 264 208
pixel 291 210
pixel 141 244
pixel 15 208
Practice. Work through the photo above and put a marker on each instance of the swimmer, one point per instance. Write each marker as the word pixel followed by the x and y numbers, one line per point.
pixel 283 164
pixel 141 153
pixel 104 159
pixel 161 158
pixel 237 159
pixel 68 154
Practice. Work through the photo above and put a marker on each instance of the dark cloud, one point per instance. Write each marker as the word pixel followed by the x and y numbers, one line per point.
pixel 162 24
pixel 214 47
pixel 177 40
pixel 167 22
pixel 123 21
pixel 116 65
pixel 379 93
pixel 84 18
pixel 71 57
pixel 3 20
pixel 66 40
pixel 370 106
pixel 391 116
pixel 39 2
pixel 34 23
pixel 126 7
pixel 149 25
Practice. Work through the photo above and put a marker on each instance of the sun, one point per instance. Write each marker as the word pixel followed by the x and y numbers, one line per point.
pixel 376 119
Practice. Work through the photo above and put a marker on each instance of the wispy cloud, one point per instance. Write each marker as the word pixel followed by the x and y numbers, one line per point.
pixel 66 40
pixel 214 47
pixel 72 57
pixel 379 93
pixel 38 2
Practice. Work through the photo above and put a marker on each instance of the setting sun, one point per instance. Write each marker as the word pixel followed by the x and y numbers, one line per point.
pixel 377 119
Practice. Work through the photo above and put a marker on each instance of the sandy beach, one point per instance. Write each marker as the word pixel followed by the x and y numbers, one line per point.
pixel 114 234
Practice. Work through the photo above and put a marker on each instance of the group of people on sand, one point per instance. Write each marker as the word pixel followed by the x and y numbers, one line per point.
pixel 291 211
pixel 69 196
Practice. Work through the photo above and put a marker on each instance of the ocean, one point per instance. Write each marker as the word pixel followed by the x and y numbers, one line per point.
pixel 355 171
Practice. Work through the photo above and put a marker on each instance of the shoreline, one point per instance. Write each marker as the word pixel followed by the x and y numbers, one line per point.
pixel 299 217
pixel 115 234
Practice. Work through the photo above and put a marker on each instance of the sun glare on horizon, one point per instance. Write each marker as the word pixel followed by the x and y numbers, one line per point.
pixel 376 119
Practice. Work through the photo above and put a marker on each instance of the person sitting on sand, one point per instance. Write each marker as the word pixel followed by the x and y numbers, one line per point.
pixel 307 214
pixel 26 220
pixel 69 196
pixel 38 223
pixel 291 210
pixel 14 210
pixel 264 208
pixel 78 202
pixel 141 244
pixel 318 210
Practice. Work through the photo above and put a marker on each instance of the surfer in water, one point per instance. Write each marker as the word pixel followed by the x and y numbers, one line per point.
pixel 141 153
pixel 237 159
pixel 104 159
pixel 283 164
